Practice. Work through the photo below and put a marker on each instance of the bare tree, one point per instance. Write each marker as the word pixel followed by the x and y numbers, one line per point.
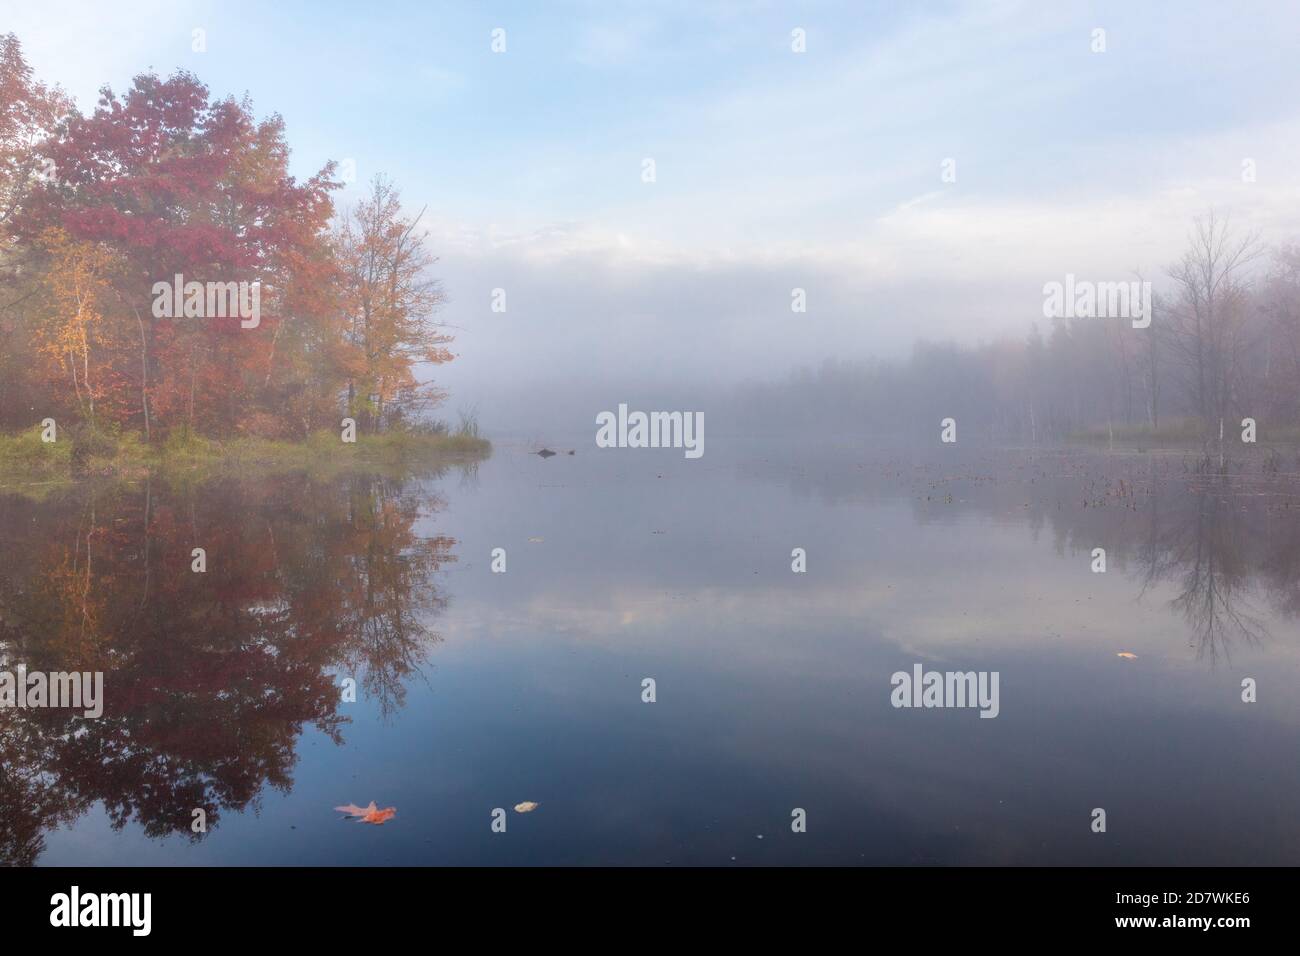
pixel 1207 325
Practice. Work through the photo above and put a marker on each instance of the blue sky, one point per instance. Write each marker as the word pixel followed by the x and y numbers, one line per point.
pixel 773 169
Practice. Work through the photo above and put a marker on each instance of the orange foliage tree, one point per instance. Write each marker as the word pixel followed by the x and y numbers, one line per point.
pixel 99 212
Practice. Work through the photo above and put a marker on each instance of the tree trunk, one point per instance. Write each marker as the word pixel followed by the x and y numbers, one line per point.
pixel 144 375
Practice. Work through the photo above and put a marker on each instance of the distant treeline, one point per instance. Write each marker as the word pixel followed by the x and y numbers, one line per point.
pixel 1223 344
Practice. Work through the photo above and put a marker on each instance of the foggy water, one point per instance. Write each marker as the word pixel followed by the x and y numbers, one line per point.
pixel 479 690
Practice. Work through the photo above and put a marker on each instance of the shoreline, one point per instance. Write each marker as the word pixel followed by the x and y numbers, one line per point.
pixel 27 461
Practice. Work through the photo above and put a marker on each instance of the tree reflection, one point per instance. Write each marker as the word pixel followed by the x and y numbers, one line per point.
pixel 1222 531
pixel 1203 542
pixel 209 678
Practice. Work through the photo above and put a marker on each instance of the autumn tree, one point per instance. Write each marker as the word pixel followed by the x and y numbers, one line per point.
pixel 78 280
pixel 173 183
pixel 390 301
pixel 98 211
pixel 29 112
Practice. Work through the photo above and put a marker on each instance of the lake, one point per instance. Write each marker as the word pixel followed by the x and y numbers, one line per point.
pixel 477 690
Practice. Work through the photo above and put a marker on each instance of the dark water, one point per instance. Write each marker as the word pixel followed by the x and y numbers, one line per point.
pixel 479 690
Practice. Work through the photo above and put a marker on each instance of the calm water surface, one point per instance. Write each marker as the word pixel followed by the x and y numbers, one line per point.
pixel 478 690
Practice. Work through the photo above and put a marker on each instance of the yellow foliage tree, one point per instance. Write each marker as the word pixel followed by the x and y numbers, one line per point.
pixel 78 283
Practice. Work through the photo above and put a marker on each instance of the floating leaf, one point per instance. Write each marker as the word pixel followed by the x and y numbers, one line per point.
pixel 526 807
pixel 370 814
pixel 1127 656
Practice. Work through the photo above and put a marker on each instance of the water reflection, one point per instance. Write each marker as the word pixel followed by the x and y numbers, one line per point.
pixel 1205 544
pixel 775 685
pixel 1224 532
pixel 210 678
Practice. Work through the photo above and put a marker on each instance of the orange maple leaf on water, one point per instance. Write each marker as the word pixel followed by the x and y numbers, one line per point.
pixel 370 814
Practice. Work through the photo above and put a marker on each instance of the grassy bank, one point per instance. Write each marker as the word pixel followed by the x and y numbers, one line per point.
pixel 24 458
pixel 1188 432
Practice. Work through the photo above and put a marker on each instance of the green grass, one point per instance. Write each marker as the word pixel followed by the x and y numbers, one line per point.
pixel 84 453
pixel 1177 432
pixel 26 455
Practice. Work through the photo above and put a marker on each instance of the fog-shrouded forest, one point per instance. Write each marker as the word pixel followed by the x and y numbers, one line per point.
pixel 1223 344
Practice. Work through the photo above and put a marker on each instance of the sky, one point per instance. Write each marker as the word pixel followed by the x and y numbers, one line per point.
pixel 774 169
